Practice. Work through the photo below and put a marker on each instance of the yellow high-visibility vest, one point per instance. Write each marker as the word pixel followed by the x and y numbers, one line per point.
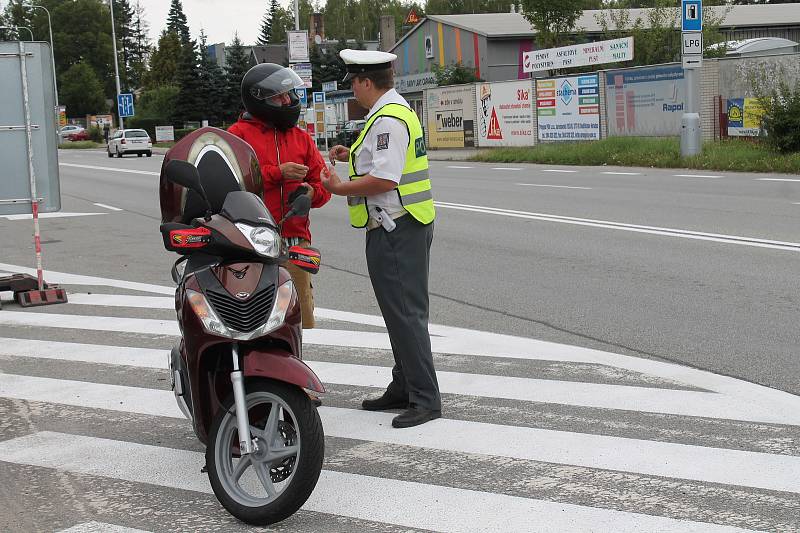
pixel 415 184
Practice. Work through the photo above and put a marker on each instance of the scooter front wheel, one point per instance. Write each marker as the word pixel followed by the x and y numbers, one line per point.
pixel 272 483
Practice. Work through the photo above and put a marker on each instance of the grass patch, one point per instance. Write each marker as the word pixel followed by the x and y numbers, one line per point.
pixel 80 145
pixel 736 155
pixel 168 144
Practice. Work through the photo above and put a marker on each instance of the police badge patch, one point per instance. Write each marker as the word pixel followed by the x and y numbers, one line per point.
pixel 383 141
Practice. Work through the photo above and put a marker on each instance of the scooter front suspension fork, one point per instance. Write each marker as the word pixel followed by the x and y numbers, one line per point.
pixel 240 401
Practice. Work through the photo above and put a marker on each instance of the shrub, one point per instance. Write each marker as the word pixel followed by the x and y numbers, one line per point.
pixel 95 134
pixel 782 119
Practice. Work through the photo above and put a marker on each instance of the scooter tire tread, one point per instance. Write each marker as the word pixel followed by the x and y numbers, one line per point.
pixel 311 457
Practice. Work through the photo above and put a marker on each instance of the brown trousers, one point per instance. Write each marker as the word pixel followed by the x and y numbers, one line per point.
pixel 302 283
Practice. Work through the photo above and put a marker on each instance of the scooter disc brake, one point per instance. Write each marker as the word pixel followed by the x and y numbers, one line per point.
pixel 284 469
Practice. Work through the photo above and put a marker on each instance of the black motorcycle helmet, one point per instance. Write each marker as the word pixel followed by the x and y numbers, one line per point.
pixel 264 81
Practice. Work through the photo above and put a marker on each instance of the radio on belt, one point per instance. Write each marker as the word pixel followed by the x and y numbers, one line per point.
pixel 384 219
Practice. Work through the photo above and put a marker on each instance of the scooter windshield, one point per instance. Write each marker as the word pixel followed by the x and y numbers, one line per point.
pixel 242 206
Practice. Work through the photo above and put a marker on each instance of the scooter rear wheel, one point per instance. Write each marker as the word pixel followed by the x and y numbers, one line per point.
pixel 274 482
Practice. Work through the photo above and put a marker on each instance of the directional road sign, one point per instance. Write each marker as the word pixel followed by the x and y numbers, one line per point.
pixel 125 105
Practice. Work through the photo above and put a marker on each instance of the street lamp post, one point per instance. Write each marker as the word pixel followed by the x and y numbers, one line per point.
pixel 52 46
pixel 116 65
pixel 17 28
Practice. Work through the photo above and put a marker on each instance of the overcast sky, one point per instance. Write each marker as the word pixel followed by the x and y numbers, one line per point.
pixel 218 18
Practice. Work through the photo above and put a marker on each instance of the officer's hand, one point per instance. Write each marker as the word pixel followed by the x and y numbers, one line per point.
pixel 330 180
pixel 339 153
pixel 293 171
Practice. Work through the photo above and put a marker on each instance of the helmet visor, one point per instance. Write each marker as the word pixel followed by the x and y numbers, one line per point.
pixel 277 83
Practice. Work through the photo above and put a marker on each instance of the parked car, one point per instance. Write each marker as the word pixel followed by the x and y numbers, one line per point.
pixel 70 129
pixel 352 129
pixel 81 135
pixel 130 142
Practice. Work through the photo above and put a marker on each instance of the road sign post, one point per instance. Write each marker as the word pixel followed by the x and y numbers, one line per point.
pixel 692 59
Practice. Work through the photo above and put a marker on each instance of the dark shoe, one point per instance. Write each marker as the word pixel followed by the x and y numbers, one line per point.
pixel 384 403
pixel 415 416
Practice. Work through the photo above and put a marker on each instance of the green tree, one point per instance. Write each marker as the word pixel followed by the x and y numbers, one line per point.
pixel 237 65
pixel 81 91
pixel 282 22
pixel 213 82
pixel 140 49
pixel 176 22
pixel 158 103
pixel 123 25
pixel 164 62
pixel 265 34
pixel 456 74
pixel 553 20
pixel 189 105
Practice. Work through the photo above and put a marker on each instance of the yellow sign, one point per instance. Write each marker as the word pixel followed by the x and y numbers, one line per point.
pixel 753 113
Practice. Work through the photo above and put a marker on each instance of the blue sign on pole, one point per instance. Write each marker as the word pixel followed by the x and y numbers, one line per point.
pixel 125 105
pixel 302 94
pixel 319 98
pixel 691 15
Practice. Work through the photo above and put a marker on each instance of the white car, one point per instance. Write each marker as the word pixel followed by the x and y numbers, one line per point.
pixel 130 142
pixel 69 129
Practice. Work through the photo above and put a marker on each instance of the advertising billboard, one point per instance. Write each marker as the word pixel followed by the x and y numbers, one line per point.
pixel 568 109
pixel 450 113
pixel 744 117
pixel 505 117
pixel 645 101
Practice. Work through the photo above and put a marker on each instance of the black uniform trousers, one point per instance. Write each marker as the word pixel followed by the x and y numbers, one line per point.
pixel 398 264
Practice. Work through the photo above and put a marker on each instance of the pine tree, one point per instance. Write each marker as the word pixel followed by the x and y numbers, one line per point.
pixel 141 49
pixel 265 35
pixel 213 82
pixel 190 98
pixel 237 65
pixel 164 62
pixel 176 21
pixel 124 27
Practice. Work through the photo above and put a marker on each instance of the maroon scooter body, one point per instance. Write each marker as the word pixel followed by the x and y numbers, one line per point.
pixel 237 283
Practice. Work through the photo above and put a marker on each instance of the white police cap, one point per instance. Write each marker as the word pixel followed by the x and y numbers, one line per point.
pixel 361 61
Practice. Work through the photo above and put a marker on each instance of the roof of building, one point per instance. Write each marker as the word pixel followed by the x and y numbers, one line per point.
pixel 510 25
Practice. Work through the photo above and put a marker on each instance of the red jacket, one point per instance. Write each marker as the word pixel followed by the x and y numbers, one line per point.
pixel 296 146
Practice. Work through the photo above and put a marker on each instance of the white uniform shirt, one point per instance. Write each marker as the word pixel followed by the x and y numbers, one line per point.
pixel 383 152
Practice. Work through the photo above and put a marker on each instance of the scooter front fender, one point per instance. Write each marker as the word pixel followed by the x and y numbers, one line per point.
pixel 282 366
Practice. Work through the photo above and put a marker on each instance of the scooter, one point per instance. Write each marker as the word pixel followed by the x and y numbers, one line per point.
pixel 237 372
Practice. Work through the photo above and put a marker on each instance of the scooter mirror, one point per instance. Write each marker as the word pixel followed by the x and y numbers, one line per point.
pixel 301 206
pixel 306 258
pixel 185 174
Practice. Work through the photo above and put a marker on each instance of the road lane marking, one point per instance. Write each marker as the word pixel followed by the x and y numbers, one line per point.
pixel 50 215
pixel 559 170
pixel 697 176
pixel 462 341
pixel 454 166
pixel 778 179
pixel 648 457
pixel 446 508
pixel 109 207
pixel 622 173
pixel 100 527
pixel 110 169
pixel 505 168
pixel 652 230
pixel 554 186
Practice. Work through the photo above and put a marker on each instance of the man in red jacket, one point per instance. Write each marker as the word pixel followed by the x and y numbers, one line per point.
pixel 289 159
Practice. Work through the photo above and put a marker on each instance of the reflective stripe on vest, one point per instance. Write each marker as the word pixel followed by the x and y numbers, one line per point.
pixel 414 188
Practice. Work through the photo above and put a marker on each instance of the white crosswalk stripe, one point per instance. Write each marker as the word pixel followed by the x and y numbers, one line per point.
pixel 704 443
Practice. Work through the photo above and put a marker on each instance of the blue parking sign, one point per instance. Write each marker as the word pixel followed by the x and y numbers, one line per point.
pixel 302 94
pixel 691 15
pixel 125 105
pixel 319 98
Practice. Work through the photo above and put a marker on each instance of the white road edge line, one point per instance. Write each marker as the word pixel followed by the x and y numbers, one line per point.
pixel 653 230
pixel 505 168
pixel 60 214
pixel 446 508
pixel 111 169
pixel 777 179
pixel 623 173
pixel 100 527
pixel 455 166
pixel 109 207
pixel 559 170
pixel 553 186
pixel 697 176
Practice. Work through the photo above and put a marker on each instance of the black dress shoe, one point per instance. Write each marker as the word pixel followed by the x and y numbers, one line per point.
pixel 414 416
pixel 384 403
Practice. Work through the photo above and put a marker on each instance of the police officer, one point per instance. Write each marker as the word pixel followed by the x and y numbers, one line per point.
pixel 389 194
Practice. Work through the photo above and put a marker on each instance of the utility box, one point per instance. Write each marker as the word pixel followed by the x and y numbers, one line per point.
pixel 691 135
pixel 15 185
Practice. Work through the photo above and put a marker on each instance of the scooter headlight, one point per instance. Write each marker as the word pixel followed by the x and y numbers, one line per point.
pixel 282 301
pixel 206 314
pixel 265 241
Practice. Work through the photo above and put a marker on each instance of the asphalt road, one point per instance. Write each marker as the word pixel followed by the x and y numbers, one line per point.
pixel 531 266
pixel 554 253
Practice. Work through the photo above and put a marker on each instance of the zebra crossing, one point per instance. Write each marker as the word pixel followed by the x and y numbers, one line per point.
pixel 535 436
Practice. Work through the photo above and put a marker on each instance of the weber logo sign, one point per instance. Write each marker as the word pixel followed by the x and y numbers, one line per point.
pixel 449 120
